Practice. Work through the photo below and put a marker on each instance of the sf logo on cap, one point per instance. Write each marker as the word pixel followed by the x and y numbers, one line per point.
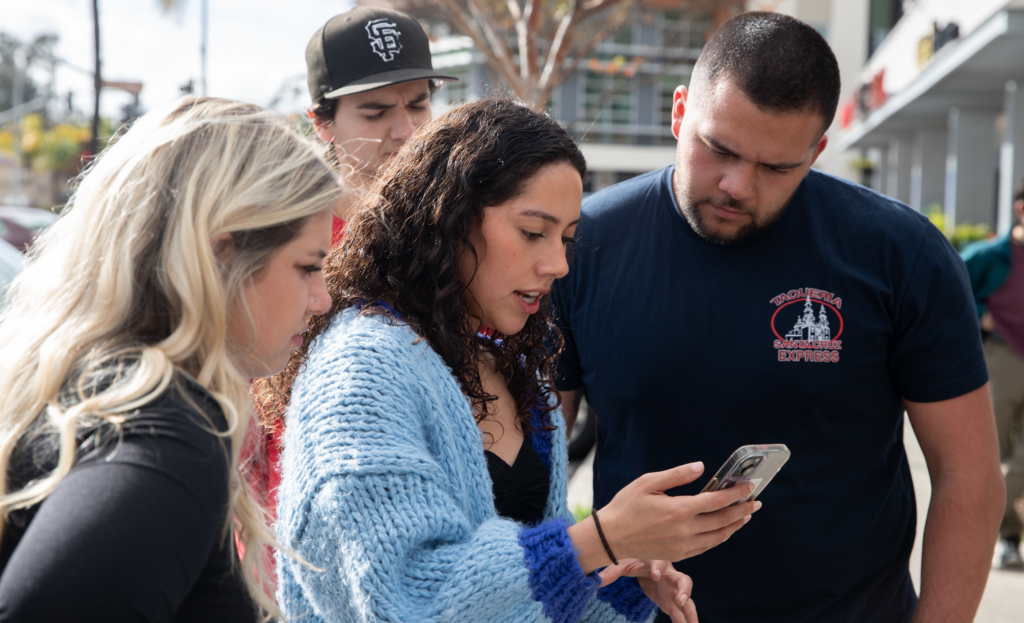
pixel 384 38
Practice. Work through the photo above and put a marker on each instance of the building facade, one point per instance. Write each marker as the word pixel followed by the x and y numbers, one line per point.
pixel 937 107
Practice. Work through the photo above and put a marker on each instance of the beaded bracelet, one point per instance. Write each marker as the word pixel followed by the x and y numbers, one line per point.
pixel 604 541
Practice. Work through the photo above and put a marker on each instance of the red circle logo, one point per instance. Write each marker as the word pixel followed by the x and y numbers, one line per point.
pixel 808 323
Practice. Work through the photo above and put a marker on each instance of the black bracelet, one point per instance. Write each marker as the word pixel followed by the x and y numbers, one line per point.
pixel 604 541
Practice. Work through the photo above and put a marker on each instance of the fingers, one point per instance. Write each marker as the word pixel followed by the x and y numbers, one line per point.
pixel 609 575
pixel 628 567
pixel 706 540
pixel 659 568
pixel 678 610
pixel 659 482
pixel 715 500
pixel 690 610
pixel 684 587
pixel 725 516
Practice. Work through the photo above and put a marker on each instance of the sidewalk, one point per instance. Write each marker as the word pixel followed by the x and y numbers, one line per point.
pixel 1003 601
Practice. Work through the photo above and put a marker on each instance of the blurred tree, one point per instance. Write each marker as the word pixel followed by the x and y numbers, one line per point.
pixel 534 45
pixel 36 53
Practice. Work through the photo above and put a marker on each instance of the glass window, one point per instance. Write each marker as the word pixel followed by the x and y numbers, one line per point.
pixel 608 100
pixel 883 15
pixel 679 30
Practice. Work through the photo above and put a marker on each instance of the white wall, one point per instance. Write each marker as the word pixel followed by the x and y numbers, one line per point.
pixel 898 53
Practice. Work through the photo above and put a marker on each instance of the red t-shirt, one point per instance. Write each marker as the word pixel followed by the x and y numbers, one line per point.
pixel 337 230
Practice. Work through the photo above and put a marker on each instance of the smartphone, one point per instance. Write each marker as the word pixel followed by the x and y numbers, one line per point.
pixel 757 464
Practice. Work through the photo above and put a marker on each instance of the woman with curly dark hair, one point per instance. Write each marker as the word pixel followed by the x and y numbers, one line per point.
pixel 424 469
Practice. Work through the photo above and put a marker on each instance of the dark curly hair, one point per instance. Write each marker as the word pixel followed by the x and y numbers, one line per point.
pixel 404 243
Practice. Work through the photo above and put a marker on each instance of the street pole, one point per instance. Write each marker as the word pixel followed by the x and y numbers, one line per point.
pixel 94 141
pixel 202 44
pixel 18 97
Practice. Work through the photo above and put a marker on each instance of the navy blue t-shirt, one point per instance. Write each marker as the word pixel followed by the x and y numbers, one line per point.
pixel 807 335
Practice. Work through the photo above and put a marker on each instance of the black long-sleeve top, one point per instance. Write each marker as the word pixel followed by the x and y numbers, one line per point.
pixel 135 531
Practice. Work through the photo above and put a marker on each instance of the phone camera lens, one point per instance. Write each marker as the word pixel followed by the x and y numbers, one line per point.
pixel 748 466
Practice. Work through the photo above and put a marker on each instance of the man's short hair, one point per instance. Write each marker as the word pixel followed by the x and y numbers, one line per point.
pixel 1018 195
pixel 780 63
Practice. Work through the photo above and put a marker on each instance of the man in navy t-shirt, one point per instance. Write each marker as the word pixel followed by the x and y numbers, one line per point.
pixel 740 298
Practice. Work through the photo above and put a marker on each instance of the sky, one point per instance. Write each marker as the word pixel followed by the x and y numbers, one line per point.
pixel 255 47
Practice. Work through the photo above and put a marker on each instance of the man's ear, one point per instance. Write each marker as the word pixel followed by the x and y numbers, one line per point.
pixel 822 142
pixel 223 247
pixel 678 108
pixel 323 129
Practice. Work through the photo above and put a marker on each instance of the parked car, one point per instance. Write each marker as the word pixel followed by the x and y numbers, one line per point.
pixel 11 263
pixel 20 225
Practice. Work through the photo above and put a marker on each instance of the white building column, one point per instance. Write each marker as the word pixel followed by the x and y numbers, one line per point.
pixel 927 171
pixel 1011 155
pixel 971 168
pixel 898 163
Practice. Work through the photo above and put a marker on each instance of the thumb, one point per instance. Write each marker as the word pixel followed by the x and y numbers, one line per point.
pixel 627 567
pixel 610 574
pixel 675 477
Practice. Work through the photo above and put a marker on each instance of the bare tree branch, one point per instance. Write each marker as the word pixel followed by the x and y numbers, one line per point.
pixel 503 64
pixel 528 48
pixel 560 43
pixel 594 7
pixel 613 25
pixel 551 37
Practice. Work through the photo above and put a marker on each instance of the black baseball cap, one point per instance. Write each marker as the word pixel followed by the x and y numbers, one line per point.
pixel 366 49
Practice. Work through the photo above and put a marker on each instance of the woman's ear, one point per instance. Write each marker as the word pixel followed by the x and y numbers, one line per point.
pixel 223 247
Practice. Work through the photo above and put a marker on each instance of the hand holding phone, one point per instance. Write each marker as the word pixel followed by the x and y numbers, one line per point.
pixel 756 464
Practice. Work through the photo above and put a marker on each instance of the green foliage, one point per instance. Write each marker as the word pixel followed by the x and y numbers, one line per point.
pixel 960 235
pixel 50 148
pixel 581 512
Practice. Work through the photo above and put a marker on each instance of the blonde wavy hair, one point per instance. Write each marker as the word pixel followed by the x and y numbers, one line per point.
pixel 125 294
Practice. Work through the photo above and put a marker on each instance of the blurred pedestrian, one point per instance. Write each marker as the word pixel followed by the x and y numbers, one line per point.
pixel 187 262
pixel 741 297
pixel 424 465
pixel 996 268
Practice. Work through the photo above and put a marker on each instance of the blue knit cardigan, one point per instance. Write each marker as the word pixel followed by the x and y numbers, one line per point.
pixel 386 496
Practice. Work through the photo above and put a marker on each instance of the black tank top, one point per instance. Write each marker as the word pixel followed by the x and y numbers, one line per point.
pixel 520 489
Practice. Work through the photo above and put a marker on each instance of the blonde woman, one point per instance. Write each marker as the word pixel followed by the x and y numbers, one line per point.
pixel 187 262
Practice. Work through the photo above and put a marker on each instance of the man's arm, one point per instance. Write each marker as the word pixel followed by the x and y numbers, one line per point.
pixel 570 408
pixel 958 438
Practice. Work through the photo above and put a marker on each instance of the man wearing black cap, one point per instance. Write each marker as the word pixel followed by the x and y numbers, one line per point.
pixel 370 78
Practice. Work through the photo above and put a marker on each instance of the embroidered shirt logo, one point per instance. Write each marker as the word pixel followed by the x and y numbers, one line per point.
pixel 384 36
pixel 814 336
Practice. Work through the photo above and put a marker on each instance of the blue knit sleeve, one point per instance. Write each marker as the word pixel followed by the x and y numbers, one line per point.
pixel 628 599
pixel 556 578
